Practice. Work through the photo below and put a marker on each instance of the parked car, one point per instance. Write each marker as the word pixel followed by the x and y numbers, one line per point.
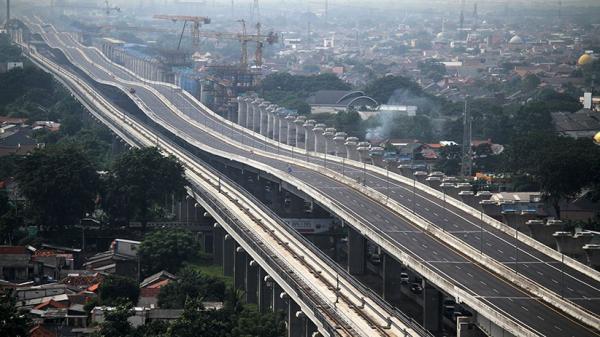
pixel 131 90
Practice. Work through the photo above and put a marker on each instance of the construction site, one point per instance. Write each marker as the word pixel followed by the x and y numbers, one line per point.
pixel 214 63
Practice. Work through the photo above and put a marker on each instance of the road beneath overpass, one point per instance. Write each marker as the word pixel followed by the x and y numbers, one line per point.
pixel 459 269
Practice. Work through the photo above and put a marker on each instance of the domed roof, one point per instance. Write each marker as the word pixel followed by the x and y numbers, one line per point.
pixel 441 35
pixel 584 59
pixel 597 138
pixel 516 40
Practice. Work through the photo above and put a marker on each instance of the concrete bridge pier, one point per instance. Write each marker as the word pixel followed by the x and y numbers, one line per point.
pixel 252 110
pixel 468 197
pixel 329 143
pixel 309 135
pixel 299 122
pixel 296 320
pixel 572 244
pixel 357 251
pixel 461 187
pixel 434 182
pixel 270 120
pixel 518 220
pixel 592 251
pixel 363 153
pixel 490 207
pixel 421 176
pixel 320 141
pixel 543 232
pixel 391 277
pixel 265 293
pixel 290 133
pixel 207 242
pixel 311 329
pixel 376 154
pixel 252 281
pixel 433 301
pixel 339 140
pixel 218 239
pixel 239 268
pixel 228 255
pixel 406 170
pixel 242 110
pixel 351 152
pixel 262 118
pixel 279 298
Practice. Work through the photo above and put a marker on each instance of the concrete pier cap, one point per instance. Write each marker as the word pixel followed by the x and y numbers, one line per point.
pixel 363 151
pixel 320 141
pixel 351 152
pixel 309 134
pixel 290 137
pixel 420 176
pixel 330 146
pixel 434 182
pixel 339 139
pixel 592 251
pixel 263 118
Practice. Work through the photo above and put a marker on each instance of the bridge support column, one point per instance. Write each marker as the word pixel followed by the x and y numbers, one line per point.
pixel 329 143
pixel 228 255
pixel 433 301
pixel 357 248
pixel 299 122
pixel 263 118
pixel 239 269
pixel 339 140
pixel 218 238
pixel 296 318
pixel 391 277
pixel 351 152
pixel 309 135
pixel 320 141
pixel 252 282
pixel 310 328
pixel 207 242
pixel 290 136
pixel 278 302
pixel 265 296
pixel 242 110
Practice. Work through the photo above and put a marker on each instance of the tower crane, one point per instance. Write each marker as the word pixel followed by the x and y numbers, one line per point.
pixel 197 22
pixel 244 38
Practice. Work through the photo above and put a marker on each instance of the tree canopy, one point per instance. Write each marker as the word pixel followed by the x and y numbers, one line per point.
pixel 383 88
pixel 561 166
pixel 167 249
pixel 60 183
pixel 12 322
pixel 140 179
pixel 117 289
pixel 191 283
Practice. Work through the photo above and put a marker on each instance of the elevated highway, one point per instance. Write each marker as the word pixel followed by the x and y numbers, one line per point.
pixel 439 240
pixel 318 295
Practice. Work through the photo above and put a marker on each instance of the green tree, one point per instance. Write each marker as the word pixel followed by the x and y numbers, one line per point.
pixel 140 179
pixel 196 321
pixel 530 82
pixel 167 250
pixel 60 184
pixel 561 166
pixel 191 284
pixel 117 289
pixel 383 88
pixel 116 324
pixel 12 322
pixel 251 323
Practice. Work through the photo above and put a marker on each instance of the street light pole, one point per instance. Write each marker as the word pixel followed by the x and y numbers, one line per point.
pixel 516 251
pixel 387 181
